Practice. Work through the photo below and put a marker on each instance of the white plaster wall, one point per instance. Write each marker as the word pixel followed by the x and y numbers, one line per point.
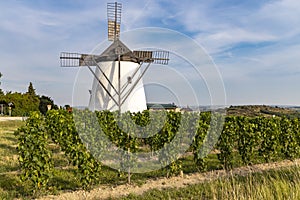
pixel 100 100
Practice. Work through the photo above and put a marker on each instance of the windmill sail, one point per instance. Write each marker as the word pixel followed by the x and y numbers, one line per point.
pixel 114 20
pixel 77 59
pixel 156 57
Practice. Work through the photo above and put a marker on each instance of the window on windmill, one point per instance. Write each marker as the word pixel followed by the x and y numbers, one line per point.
pixel 129 79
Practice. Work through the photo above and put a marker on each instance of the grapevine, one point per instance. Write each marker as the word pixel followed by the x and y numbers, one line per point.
pixel 34 156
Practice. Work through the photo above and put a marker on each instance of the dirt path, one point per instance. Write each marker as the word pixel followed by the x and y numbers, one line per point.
pixel 104 192
pixel 12 118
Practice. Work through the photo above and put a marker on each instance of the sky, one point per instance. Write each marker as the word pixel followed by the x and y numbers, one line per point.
pixel 254 46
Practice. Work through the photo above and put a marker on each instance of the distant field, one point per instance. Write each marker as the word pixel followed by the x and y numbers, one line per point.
pixel 261 110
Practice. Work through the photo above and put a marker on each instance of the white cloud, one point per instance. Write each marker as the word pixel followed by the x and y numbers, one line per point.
pixel 270 75
pixel 220 28
pixel 31 40
pixel 226 39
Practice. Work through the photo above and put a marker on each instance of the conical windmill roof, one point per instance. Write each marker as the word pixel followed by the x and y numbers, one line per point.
pixel 115 49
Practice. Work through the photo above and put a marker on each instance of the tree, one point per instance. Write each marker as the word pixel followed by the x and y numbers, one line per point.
pixel 1 92
pixel 44 102
pixel 31 90
pixel 34 100
pixel 24 103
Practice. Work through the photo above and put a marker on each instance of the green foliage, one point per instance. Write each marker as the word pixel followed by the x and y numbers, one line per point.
pixel 288 138
pixel 269 134
pixel 60 126
pixel 248 137
pixel 1 92
pixel 31 90
pixel 197 145
pixel 44 102
pixel 227 142
pixel 169 144
pixel 24 103
pixel 83 136
pixel 33 98
pixel 34 156
pixel 154 128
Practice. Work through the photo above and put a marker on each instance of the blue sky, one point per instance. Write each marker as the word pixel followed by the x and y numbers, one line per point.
pixel 255 44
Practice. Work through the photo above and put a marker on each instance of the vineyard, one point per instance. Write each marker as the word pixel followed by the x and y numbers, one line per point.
pixel 88 140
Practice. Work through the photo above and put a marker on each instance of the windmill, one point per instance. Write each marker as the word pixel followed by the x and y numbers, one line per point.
pixel 117 83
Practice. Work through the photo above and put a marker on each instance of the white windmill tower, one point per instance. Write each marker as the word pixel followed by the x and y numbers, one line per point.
pixel 118 76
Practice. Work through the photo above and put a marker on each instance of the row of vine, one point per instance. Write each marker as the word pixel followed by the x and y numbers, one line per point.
pixel 161 133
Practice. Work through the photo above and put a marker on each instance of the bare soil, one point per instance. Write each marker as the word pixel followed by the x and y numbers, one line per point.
pixel 105 192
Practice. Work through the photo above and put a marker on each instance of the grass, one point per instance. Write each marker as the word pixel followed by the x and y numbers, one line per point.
pixel 274 184
pixel 9 180
pixel 10 184
pixel 260 185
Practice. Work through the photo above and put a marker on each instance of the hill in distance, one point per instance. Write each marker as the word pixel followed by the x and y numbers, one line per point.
pixel 262 110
